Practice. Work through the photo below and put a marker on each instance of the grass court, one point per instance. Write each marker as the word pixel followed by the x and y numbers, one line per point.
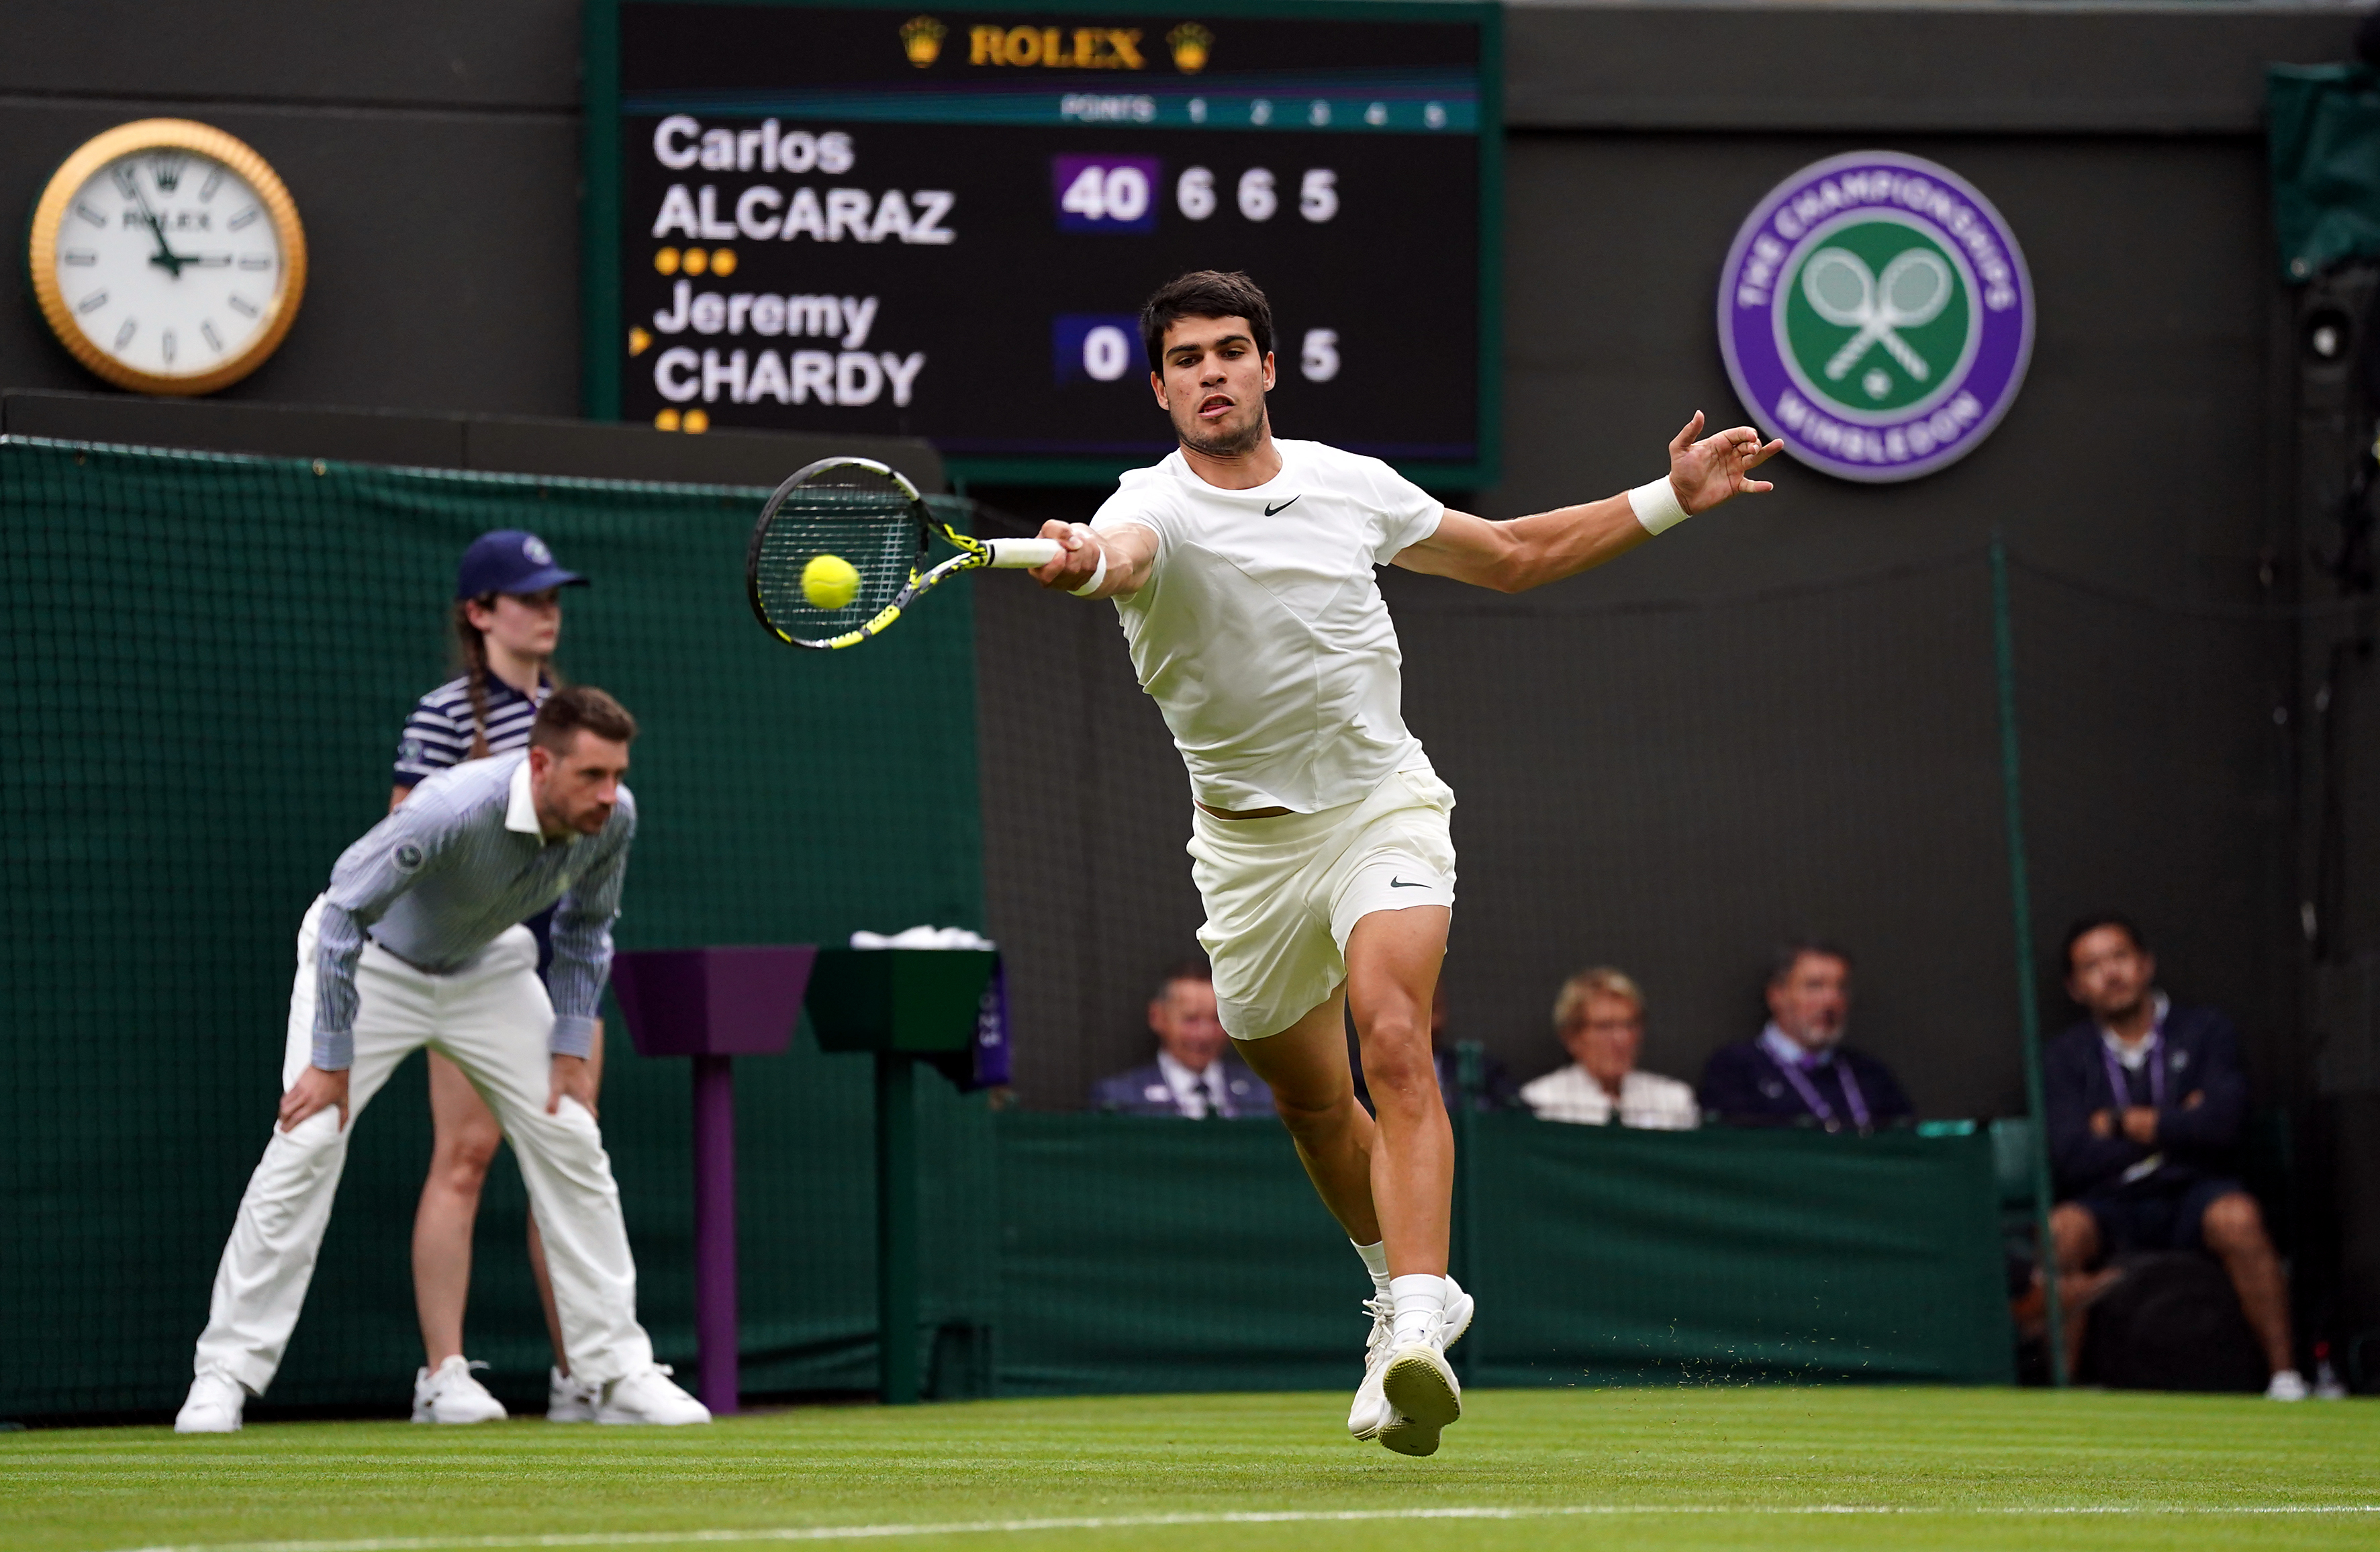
pixel 1691 1467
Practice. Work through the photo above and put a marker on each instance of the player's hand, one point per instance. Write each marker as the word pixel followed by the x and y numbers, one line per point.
pixel 1077 564
pixel 1706 472
pixel 573 1075
pixel 314 1092
pixel 2140 1125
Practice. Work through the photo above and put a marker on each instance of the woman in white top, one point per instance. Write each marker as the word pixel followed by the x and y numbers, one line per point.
pixel 1599 1019
pixel 507 621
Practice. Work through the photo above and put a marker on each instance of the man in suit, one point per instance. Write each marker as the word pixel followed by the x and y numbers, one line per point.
pixel 2145 1103
pixel 1193 1075
pixel 1798 1072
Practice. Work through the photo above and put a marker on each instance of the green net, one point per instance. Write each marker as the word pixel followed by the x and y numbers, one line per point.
pixel 211 659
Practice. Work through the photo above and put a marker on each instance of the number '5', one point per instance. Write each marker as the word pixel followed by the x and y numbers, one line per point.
pixel 1318 195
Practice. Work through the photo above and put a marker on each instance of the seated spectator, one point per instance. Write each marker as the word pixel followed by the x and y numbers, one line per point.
pixel 1196 1073
pixel 1799 1070
pixel 1599 1019
pixel 1496 1090
pixel 2145 1103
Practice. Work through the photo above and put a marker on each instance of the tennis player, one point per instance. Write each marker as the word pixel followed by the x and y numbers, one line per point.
pixel 418 942
pixel 506 619
pixel 1242 567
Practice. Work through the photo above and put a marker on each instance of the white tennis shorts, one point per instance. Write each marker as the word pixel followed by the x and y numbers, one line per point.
pixel 1283 894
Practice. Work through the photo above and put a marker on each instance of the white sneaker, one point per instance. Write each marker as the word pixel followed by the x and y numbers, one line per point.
pixel 1371 1409
pixel 649 1397
pixel 449 1394
pixel 2287 1385
pixel 570 1400
pixel 214 1405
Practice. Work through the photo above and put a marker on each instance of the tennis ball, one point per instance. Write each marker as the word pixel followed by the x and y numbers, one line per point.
pixel 829 581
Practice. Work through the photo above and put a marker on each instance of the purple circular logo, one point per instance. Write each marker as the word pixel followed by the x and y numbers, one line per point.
pixel 1875 315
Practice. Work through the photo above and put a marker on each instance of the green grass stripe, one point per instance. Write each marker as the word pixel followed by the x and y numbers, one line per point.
pixel 1704 1468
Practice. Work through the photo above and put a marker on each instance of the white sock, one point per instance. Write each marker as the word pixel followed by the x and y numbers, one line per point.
pixel 1421 1305
pixel 1376 1261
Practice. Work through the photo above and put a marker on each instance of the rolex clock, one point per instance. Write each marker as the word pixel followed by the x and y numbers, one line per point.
pixel 167 257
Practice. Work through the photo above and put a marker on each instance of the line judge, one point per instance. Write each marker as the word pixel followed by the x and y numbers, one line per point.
pixel 419 942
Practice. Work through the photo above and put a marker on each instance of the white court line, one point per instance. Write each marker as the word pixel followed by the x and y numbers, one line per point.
pixel 1148 1521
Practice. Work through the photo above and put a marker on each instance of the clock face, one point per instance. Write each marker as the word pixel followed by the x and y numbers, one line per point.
pixel 171 266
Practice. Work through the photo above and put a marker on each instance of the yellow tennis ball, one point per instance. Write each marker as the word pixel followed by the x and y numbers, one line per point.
pixel 829 581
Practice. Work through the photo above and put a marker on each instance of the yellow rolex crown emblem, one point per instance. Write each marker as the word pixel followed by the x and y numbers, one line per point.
pixel 1190 43
pixel 921 38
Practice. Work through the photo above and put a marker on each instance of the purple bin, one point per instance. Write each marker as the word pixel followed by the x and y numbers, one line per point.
pixel 712 1004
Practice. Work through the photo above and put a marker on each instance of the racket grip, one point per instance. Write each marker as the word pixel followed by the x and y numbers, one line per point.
pixel 1022 553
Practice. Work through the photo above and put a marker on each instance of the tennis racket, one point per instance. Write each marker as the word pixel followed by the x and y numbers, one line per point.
pixel 873 520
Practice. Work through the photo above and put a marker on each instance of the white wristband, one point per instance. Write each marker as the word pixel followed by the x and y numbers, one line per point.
pixel 1656 505
pixel 1092 587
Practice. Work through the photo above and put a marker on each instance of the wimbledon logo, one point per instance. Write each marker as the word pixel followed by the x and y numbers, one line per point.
pixel 1875 315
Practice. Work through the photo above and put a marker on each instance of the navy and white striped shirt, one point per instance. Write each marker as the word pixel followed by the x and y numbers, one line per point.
pixel 455 865
pixel 438 734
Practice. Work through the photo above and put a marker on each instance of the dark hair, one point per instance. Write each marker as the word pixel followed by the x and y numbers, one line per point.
pixel 1788 955
pixel 2083 926
pixel 472 647
pixel 575 706
pixel 471 643
pixel 1195 967
pixel 1204 293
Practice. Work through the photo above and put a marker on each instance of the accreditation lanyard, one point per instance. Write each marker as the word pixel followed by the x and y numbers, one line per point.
pixel 1811 1097
pixel 2152 1058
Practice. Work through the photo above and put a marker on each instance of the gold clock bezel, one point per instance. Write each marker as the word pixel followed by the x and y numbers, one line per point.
pixel 166 134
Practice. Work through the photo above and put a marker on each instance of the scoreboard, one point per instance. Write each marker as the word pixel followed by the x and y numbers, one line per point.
pixel 942 223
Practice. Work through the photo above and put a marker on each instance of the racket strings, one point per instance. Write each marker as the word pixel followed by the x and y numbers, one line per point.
pixel 869 524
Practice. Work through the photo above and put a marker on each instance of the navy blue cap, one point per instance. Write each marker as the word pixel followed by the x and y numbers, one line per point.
pixel 509 560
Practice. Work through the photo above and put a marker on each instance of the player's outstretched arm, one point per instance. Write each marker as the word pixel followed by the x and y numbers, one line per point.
pixel 1544 547
pixel 1118 561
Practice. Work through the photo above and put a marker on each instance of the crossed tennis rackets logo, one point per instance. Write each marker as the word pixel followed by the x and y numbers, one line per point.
pixel 1913 289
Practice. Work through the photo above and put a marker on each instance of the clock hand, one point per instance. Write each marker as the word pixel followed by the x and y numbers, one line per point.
pixel 205 261
pixel 164 255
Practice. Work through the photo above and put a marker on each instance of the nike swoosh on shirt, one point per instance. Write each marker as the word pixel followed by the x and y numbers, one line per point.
pixel 1400 883
pixel 1271 510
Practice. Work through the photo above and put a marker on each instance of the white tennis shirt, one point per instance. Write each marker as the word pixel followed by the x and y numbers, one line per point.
pixel 1262 632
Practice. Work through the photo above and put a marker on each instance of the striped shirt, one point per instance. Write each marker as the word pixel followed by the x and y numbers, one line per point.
pixel 438 734
pixel 455 865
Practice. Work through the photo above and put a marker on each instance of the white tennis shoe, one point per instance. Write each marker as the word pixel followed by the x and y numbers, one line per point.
pixel 449 1393
pixel 570 1400
pixel 1421 1392
pixel 2287 1385
pixel 1371 1409
pixel 649 1396
pixel 214 1405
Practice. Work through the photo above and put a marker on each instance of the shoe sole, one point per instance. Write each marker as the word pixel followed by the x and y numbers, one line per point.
pixel 1422 1390
pixel 1456 1327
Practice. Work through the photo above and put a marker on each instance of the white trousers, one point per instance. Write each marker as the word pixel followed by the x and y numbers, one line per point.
pixel 491 1019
